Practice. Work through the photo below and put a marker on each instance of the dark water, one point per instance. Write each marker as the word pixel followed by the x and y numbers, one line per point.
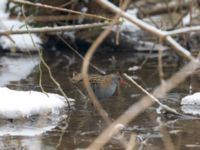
pixel 84 124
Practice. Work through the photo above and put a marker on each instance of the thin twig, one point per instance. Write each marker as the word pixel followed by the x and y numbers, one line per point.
pixel 160 64
pixel 63 129
pixel 54 81
pixel 167 141
pixel 36 47
pixel 51 18
pixel 132 143
pixel 23 2
pixel 52 78
pixel 85 66
pixel 151 96
pixel 183 30
pixel 151 29
pixel 47 67
pixel 181 50
pixel 54 29
pixel 160 8
pixel 143 104
pixel 77 53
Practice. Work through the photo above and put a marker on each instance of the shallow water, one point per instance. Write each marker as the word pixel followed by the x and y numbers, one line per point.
pixel 84 124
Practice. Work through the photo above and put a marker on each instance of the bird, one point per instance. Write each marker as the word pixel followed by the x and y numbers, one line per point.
pixel 103 86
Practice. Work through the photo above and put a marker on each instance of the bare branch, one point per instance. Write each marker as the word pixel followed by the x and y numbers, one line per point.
pixel 85 66
pixel 181 49
pixel 160 8
pixel 183 30
pixel 151 96
pixel 143 104
pixel 53 29
pixel 23 2
pixel 143 25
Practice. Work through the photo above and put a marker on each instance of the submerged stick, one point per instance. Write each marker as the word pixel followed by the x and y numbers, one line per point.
pixel 169 109
pixel 140 106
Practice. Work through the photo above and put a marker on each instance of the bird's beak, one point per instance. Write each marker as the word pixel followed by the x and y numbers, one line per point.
pixel 124 83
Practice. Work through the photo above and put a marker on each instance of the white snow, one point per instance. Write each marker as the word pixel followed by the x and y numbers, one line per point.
pixel 191 109
pixel 23 104
pixel 3 5
pixel 188 17
pixel 81 17
pixel 126 25
pixel 191 104
pixel 134 68
pixel 186 20
pixel 70 34
pixel 16 68
pixel 193 99
pixel 21 42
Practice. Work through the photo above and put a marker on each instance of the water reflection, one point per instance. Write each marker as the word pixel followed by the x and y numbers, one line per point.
pixel 27 133
pixel 84 124
pixel 27 143
pixel 33 126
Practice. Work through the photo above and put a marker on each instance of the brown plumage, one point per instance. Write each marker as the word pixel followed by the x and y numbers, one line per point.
pixel 103 85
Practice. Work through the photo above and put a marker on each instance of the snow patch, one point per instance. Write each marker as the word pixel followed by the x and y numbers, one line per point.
pixel 3 5
pixel 188 17
pixel 193 99
pixel 191 109
pixel 22 42
pixel 16 68
pixel 71 35
pixel 33 113
pixel 126 25
pixel 191 104
pixel 23 104
pixel 186 20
